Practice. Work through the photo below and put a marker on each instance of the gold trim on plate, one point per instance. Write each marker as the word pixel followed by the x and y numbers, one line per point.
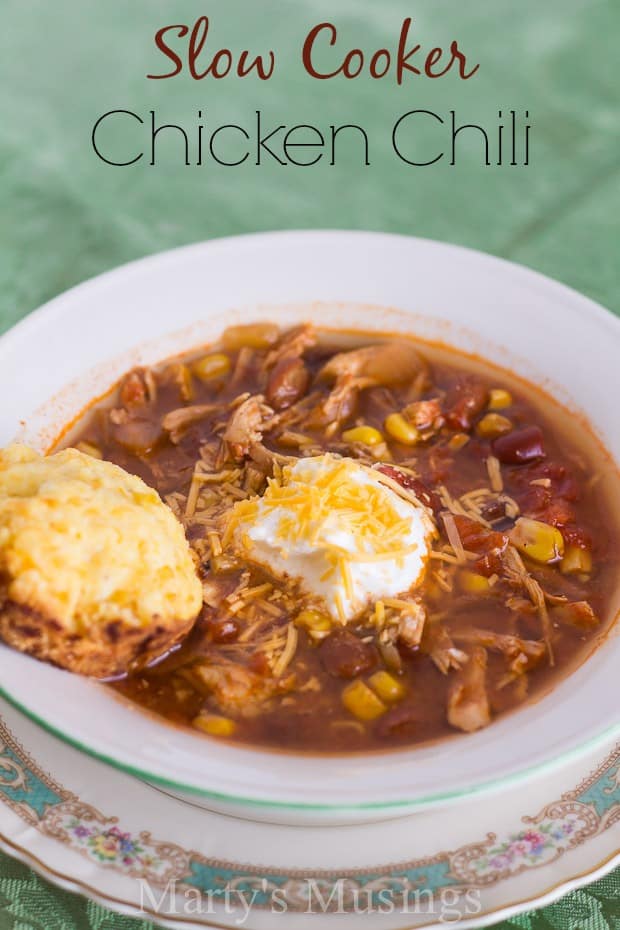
pixel 46 871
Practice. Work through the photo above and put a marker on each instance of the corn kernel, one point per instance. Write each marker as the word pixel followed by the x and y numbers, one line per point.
pixel 212 366
pixel 366 434
pixel 401 430
pixel 89 448
pixel 185 383
pixel 252 335
pixel 499 399
pixel 386 686
pixel 537 540
pixel 576 561
pixel 473 583
pixel 458 441
pixel 215 725
pixel 493 425
pixel 314 621
pixel 361 701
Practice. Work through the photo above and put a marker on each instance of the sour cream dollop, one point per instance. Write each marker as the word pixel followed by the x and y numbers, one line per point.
pixel 333 524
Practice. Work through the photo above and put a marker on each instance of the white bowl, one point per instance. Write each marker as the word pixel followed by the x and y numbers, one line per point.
pixel 75 347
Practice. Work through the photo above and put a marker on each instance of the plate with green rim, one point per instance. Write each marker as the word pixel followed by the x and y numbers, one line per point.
pixel 139 850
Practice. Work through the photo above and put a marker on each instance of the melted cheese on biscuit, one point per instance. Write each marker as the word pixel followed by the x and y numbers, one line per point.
pixel 83 542
pixel 334 525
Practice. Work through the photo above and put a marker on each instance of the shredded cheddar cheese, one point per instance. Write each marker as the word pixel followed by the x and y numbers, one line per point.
pixel 333 523
pixel 364 510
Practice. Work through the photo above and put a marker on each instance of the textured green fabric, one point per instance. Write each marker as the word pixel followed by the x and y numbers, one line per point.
pixel 65 216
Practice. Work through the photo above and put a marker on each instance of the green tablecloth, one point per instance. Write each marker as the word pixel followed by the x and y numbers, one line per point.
pixel 65 215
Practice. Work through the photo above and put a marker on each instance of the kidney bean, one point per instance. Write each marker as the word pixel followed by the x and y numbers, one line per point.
pixel 399 721
pixel 259 664
pixel 520 447
pixel 345 656
pixel 224 629
pixel 287 383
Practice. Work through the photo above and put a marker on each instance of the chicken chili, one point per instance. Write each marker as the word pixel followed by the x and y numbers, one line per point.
pixel 394 542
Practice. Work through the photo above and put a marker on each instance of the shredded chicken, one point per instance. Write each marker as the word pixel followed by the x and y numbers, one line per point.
pixel 522 654
pixel 288 382
pixel 137 388
pixel 385 363
pixel 255 477
pixel 292 345
pixel 119 416
pixel 520 604
pixel 266 458
pixel 215 589
pixel 440 646
pixel 426 416
pixel 177 422
pixel 411 624
pixel 246 426
pixel 339 404
pixel 243 367
pixel 236 689
pixel 576 613
pixel 468 702
pixel 179 375
pixel 515 571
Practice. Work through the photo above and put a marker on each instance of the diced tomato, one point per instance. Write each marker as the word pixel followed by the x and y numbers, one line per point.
pixel 429 498
pixel 576 536
pixel 440 462
pixel 533 500
pixel 258 663
pixel 133 391
pixel 488 544
pixel 562 483
pixel 558 513
pixel 467 398
pixel 552 504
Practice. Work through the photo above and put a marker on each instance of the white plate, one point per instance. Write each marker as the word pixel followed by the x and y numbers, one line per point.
pixel 73 349
pixel 103 833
